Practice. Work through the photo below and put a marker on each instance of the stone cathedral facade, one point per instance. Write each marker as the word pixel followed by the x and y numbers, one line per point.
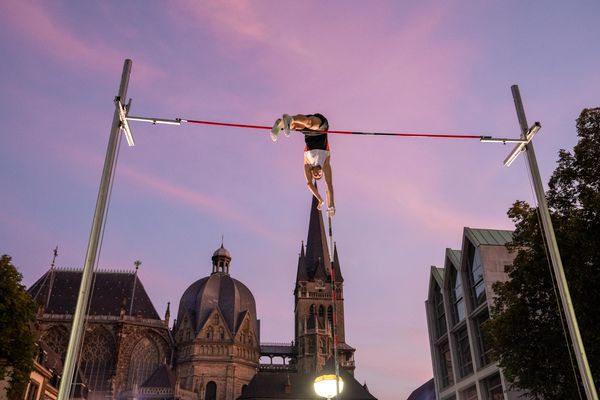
pixel 212 349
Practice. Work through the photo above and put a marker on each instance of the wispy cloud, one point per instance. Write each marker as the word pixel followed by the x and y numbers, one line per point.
pixel 32 20
pixel 212 206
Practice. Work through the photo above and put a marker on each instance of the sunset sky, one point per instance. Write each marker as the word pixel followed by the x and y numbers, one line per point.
pixel 394 66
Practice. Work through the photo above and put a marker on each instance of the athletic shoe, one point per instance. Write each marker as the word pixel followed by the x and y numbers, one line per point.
pixel 287 122
pixel 276 129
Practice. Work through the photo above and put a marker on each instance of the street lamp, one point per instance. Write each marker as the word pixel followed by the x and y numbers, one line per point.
pixel 325 385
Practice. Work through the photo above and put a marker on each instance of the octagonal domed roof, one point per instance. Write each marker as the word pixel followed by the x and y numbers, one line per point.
pixel 219 290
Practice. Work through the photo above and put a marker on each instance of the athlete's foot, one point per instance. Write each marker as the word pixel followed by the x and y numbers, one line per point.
pixel 276 129
pixel 287 122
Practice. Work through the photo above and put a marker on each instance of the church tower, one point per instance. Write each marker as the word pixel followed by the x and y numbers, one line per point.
pixel 314 304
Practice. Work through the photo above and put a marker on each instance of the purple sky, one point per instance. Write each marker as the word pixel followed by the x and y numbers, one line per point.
pixel 427 66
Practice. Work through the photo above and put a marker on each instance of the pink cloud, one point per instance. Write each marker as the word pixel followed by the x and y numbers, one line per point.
pixel 32 21
pixel 208 205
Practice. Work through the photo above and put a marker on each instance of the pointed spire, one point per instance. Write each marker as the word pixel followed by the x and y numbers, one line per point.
pixel 168 313
pixel 52 276
pixel 336 265
pixel 54 257
pixel 301 274
pixel 137 264
pixel 317 252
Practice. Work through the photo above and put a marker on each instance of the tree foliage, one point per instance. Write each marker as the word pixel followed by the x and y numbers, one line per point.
pixel 526 331
pixel 17 315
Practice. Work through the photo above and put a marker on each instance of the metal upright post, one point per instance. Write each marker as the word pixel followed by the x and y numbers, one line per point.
pixel 582 362
pixel 92 250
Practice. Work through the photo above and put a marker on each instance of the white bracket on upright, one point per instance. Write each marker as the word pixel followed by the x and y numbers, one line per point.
pixel 521 146
pixel 521 143
pixel 123 110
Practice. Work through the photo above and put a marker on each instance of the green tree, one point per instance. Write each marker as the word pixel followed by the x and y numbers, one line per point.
pixel 17 342
pixel 527 330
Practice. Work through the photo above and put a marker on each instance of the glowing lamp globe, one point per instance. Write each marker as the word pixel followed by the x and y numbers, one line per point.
pixel 325 385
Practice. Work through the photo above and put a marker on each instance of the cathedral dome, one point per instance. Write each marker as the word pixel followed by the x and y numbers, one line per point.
pixel 219 290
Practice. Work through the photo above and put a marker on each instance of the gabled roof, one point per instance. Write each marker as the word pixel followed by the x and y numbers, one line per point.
pixel 437 274
pixel 493 237
pixel 454 256
pixel 161 378
pixel 57 291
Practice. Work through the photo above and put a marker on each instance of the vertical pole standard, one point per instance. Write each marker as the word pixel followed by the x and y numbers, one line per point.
pixel 565 296
pixel 334 301
pixel 92 250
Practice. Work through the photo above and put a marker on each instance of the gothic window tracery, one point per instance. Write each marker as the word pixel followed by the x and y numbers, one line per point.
pixel 311 317
pixel 98 360
pixel 144 361
pixel 57 338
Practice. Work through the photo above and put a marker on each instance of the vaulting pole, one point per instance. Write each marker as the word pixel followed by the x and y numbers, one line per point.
pixel 563 287
pixel 334 301
pixel 76 336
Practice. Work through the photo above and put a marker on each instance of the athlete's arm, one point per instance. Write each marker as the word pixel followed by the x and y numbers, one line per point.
pixel 329 181
pixel 311 185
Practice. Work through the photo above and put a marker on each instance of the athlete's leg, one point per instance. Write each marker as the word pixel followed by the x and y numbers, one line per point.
pixel 301 121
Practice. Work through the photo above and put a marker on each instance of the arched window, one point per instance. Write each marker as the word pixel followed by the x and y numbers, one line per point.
pixel 209 332
pixel 311 317
pixel 311 345
pixel 57 338
pixel 330 315
pixel 221 334
pixel 98 360
pixel 321 311
pixel 211 391
pixel 144 361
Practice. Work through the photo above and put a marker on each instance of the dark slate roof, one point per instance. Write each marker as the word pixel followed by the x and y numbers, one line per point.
pixel 277 349
pixel 221 291
pixel 424 392
pixel 298 386
pixel 163 377
pixel 494 237
pixel 58 289
pixel 314 264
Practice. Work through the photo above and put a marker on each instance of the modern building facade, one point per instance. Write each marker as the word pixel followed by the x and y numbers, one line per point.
pixel 458 303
